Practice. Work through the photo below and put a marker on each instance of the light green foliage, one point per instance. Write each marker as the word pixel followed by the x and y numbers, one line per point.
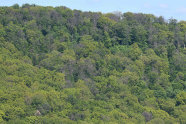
pixel 181 98
pixel 86 46
pixel 105 23
pixel 1 116
pixel 135 52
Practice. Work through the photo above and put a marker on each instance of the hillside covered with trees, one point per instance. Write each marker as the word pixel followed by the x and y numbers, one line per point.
pixel 63 66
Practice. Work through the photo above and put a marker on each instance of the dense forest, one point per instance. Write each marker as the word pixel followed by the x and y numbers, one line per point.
pixel 63 66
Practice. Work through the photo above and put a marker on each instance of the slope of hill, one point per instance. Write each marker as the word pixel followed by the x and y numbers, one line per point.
pixel 59 65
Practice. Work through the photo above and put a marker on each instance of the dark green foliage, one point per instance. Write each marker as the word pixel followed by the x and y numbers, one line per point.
pixel 59 65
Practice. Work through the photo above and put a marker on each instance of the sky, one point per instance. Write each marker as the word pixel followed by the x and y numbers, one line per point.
pixel 167 8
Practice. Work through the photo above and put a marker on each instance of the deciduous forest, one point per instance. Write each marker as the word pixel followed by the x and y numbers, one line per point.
pixel 64 66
